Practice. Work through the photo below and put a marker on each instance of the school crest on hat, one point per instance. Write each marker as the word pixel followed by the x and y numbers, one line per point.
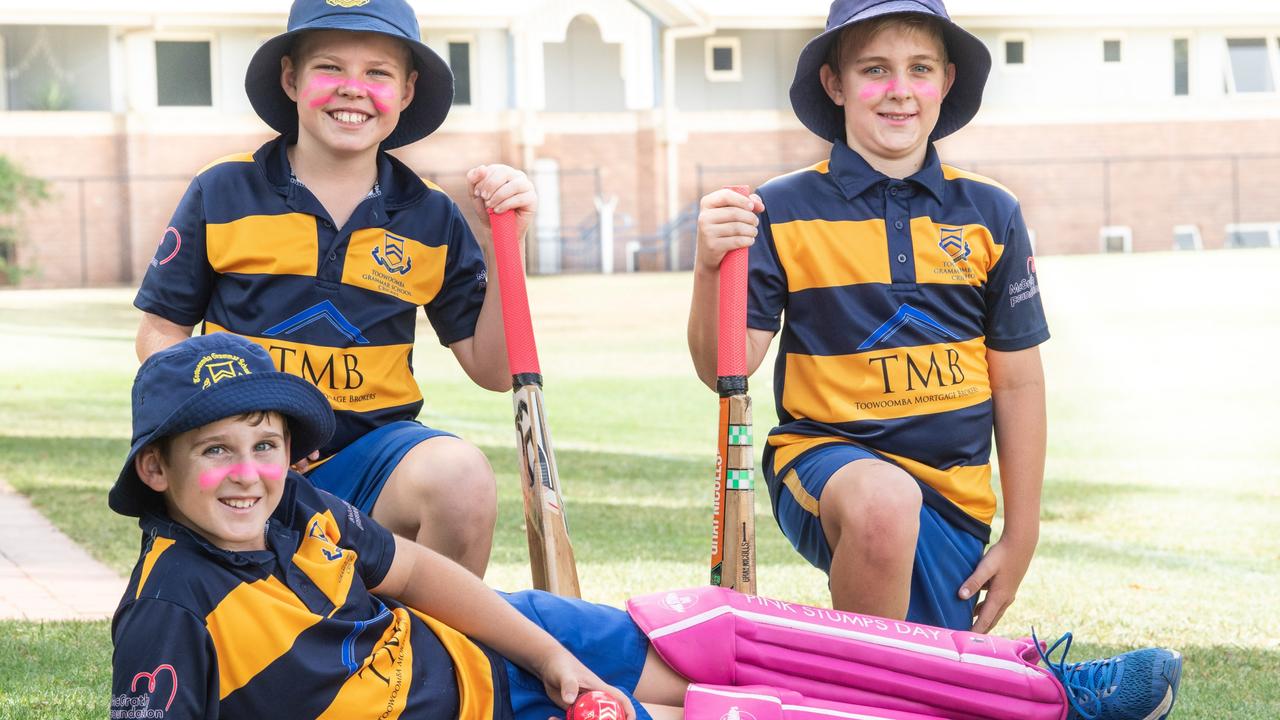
pixel 347 3
pixel 218 366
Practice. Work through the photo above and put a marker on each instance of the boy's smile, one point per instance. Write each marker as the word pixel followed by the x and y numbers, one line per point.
pixel 891 90
pixel 350 89
pixel 222 480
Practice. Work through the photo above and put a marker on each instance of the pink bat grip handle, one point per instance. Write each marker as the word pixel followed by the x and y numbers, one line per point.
pixel 522 353
pixel 731 355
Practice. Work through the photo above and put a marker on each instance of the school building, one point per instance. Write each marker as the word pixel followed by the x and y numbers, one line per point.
pixel 1122 125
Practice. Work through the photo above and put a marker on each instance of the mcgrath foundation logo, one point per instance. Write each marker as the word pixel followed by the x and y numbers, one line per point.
pixel 347 3
pixel 736 714
pixel 217 367
pixel 678 602
pixel 167 251
pixel 146 691
pixel 954 244
pixel 393 257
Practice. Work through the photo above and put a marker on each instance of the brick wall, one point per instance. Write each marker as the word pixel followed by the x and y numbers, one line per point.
pixel 101 229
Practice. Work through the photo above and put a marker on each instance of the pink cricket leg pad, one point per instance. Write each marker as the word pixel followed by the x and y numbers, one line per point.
pixel 721 637
pixel 761 702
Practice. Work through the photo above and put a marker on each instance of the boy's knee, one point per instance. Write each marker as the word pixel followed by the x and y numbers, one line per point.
pixel 872 505
pixel 451 476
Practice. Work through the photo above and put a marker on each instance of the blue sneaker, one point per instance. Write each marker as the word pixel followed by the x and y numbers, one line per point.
pixel 1137 685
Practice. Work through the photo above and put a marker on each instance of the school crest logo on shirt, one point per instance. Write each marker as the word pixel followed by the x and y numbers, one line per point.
pixel 954 244
pixel 217 367
pixel 347 3
pixel 391 255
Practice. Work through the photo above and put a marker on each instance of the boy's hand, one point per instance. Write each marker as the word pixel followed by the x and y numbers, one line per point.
pixel 565 678
pixel 501 188
pixel 302 465
pixel 726 221
pixel 1000 572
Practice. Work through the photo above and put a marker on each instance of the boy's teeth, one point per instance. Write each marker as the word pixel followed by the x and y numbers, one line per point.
pixel 240 504
pixel 349 117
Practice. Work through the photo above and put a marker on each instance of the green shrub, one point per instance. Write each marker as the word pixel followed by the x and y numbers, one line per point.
pixel 18 191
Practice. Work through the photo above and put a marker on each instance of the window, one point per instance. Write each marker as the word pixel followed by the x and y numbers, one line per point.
pixel 1181 66
pixel 1253 235
pixel 460 64
pixel 1116 239
pixel 1015 52
pixel 1187 237
pixel 1250 65
pixel 724 59
pixel 183 73
pixel 1111 51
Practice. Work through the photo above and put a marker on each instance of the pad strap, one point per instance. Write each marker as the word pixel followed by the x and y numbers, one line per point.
pixel 717 636
pixel 761 702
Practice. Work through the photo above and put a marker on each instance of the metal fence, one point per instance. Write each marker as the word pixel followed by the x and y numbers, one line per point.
pixel 101 230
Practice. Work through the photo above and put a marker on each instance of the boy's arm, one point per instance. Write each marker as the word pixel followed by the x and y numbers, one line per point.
pixel 431 583
pixel 156 333
pixel 1017 391
pixel 726 220
pixel 163 661
pixel 484 355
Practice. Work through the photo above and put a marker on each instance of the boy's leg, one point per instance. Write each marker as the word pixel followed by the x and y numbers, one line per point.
pixel 853 516
pixel 870 513
pixel 603 638
pixel 443 495
pixel 421 483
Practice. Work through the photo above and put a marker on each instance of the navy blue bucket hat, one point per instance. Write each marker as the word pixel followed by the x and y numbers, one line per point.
pixel 203 380
pixel 433 92
pixel 826 119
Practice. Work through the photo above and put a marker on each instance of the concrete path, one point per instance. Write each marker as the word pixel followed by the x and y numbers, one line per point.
pixel 43 574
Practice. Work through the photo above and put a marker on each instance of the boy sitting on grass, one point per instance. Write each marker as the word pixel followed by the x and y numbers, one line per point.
pixel 257 595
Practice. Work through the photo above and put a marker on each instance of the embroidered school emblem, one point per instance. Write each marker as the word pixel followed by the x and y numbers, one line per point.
pixel 954 244
pixel 392 255
pixel 347 3
pixel 217 367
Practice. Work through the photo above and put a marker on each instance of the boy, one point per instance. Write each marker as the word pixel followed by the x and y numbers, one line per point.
pixel 320 247
pixel 257 595
pixel 912 325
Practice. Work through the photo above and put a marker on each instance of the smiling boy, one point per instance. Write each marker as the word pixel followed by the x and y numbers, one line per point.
pixel 321 247
pixel 909 334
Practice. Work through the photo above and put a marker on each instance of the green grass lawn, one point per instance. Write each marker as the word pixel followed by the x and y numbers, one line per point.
pixel 1161 496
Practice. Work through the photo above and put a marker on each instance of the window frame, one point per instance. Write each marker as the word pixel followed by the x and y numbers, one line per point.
pixel 1125 233
pixel 214 75
pixel 1272 229
pixel 1188 37
pixel 1271 40
pixel 470 40
pixel 716 42
pixel 1103 39
pixel 1003 40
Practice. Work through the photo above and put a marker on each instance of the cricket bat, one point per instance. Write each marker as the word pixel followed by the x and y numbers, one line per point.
pixel 550 553
pixel 733 532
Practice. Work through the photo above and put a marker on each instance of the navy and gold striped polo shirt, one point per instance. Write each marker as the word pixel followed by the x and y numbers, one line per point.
pixel 892 291
pixel 288 631
pixel 251 251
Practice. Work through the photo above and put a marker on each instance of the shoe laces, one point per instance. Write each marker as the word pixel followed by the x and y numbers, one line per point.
pixel 1084 682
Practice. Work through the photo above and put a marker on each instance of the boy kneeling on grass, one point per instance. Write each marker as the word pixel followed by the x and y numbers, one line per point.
pixel 257 595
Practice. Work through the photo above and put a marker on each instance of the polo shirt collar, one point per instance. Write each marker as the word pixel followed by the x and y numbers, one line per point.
pixel 399 185
pixel 855 176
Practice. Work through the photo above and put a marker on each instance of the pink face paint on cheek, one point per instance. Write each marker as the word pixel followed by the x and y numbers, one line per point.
pixel 925 89
pixel 211 478
pixel 381 96
pixel 873 90
pixel 321 89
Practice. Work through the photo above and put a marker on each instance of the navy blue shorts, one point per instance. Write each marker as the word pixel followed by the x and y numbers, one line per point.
pixel 946 555
pixel 358 471
pixel 604 638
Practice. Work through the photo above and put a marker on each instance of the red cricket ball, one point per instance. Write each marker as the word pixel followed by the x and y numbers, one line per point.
pixel 596 705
